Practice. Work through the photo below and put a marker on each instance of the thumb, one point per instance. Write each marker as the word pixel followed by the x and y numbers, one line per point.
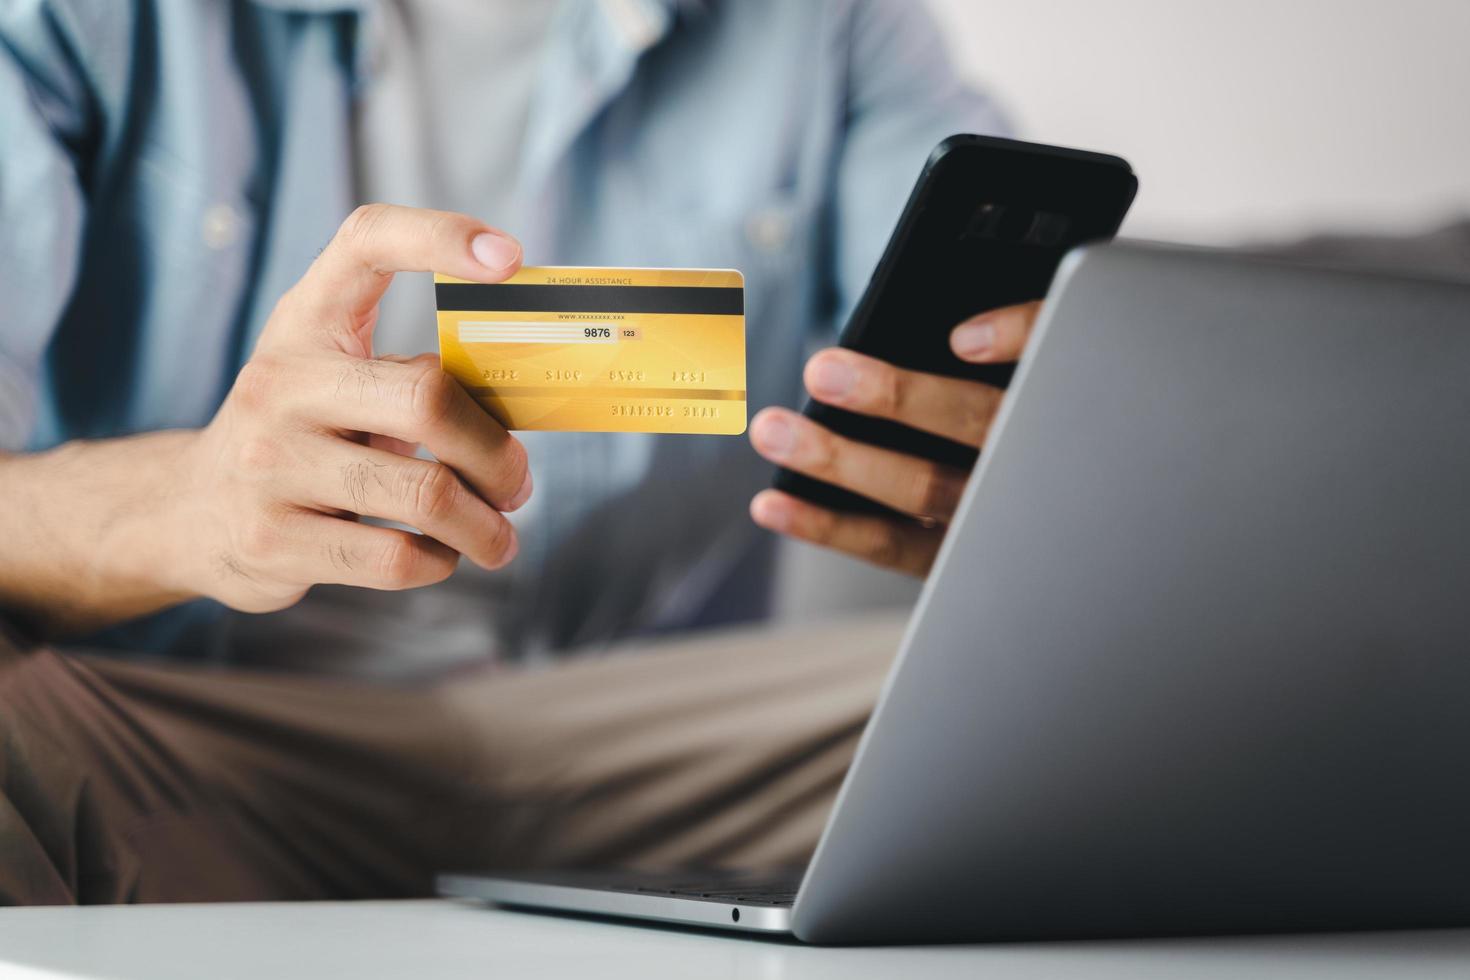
pixel 997 336
pixel 335 303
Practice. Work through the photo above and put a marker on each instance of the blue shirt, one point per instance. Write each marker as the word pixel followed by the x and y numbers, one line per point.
pixel 168 168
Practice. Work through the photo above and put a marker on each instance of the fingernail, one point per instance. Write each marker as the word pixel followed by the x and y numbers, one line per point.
pixel 830 377
pixel 511 550
pixel 775 437
pixel 770 517
pixel 522 495
pixel 973 340
pixel 495 252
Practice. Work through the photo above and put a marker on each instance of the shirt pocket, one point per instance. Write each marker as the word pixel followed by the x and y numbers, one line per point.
pixel 195 236
pixel 775 242
pixel 190 217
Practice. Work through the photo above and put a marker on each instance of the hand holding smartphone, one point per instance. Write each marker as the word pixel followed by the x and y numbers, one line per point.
pixel 987 226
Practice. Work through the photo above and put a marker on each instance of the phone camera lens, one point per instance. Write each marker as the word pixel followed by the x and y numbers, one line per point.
pixel 1047 228
pixel 986 223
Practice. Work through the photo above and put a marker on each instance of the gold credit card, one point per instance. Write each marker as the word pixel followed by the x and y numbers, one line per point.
pixel 600 350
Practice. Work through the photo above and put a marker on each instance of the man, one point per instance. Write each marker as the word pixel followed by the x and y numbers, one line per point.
pixel 200 407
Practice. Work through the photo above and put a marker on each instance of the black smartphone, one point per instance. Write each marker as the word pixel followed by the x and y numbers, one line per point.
pixel 986 226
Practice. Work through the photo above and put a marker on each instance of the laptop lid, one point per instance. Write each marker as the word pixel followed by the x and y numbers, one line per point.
pixel 1196 654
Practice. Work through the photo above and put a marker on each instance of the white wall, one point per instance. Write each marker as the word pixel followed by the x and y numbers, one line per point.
pixel 1243 118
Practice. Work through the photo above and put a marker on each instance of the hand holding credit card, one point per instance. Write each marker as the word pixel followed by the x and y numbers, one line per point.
pixel 600 349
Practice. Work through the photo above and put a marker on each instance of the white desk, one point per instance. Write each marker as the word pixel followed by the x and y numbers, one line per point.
pixel 427 940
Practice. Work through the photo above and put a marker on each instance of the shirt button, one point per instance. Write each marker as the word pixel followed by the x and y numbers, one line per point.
pixel 221 226
pixel 768 230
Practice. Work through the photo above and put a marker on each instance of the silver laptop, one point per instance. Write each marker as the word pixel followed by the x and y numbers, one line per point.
pixel 1195 656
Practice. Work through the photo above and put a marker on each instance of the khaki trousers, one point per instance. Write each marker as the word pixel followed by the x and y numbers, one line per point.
pixel 129 783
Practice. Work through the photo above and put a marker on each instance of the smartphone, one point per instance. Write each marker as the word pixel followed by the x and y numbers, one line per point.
pixel 986 226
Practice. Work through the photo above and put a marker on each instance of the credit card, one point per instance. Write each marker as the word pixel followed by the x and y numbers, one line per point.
pixel 600 350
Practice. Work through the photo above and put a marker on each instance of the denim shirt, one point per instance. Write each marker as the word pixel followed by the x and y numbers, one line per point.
pixel 168 168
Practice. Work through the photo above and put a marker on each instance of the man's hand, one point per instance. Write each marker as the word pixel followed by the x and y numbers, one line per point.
pixel 304 443
pixel 263 502
pixel 958 410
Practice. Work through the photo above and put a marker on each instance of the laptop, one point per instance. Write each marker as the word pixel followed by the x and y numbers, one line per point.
pixel 1195 655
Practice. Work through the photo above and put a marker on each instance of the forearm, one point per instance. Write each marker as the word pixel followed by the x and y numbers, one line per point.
pixel 87 533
